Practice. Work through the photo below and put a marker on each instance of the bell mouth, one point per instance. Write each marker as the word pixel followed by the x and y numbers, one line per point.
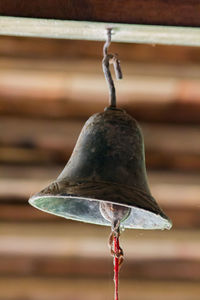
pixel 86 208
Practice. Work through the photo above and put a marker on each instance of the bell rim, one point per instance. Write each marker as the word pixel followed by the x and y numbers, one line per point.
pixel 55 190
pixel 87 188
pixel 168 222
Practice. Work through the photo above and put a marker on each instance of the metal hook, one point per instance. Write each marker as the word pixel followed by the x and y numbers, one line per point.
pixel 107 59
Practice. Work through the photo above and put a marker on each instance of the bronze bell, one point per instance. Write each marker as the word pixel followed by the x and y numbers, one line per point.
pixel 106 174
pixel 105 181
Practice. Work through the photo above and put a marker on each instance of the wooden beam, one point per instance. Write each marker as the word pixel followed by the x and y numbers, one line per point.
pixel 41 288
pixel 176 193
pixel 23 212
pixel 173 189
pixel 58 53
pixel 56 89
pixel 169 268
pixel 47 141
pixel 171 12
pixel 183 216
pixel 79 63
pixel 82 30
pixel 54 250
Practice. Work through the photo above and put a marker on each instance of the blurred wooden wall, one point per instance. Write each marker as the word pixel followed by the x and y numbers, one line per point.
pixel 48 88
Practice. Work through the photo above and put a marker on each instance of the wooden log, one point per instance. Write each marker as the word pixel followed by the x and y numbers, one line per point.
pixel 84 30
pixel 59 53
pixel 72 93
pixel 23 212
pixel 177 194
pixel 166 269
pixel 184 13
pixel 70 251
pixel 86 289
pixel 44 141
pixel 173 193
pixel 60 72
pixel 18 210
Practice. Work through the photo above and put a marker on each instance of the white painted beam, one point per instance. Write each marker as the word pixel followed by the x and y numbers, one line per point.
pixel 96 31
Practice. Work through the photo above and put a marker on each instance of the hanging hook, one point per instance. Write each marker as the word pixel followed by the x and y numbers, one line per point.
pixel 107 59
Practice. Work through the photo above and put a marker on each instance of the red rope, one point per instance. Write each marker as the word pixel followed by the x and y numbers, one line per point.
pixel 116 267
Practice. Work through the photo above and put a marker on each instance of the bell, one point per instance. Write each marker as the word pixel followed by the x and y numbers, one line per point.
pixel 105 178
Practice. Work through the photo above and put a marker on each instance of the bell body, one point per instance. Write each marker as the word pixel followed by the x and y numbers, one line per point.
pixel 109 149
pixel 107 164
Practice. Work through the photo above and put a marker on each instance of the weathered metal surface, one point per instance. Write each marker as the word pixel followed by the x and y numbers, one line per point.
pixel 107 164
pixel 96 31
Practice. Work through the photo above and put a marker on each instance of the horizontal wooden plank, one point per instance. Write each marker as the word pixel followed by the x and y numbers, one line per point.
pixel 82 65
pixel 173 189
pixel 167 146
pixel 23 212
pixel 86 289
pixel 94 267
pixel 172 12
pixel 183 217
pixel 182 208
pixel 178 194
pixel 79 89
pixel 82 251
pixel 59 53
pixel 78 230
pixel 84 30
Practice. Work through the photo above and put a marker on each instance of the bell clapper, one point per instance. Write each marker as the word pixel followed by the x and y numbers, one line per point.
pixel 117 253
pixel 115 214
pixel 115 249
